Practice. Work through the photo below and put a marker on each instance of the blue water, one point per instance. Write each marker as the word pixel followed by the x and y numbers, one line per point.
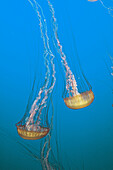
pixel 85 136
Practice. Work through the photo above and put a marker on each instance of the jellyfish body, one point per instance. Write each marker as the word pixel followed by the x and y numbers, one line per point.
pixel 74 97
pixel 33 133
pixel 80 101
pixel 34 124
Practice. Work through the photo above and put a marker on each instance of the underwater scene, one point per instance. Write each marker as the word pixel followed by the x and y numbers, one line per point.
pixel 56 78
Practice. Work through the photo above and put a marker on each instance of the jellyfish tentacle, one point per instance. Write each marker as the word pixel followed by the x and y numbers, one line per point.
pixel 49 90
pixel 110 9
pixel 71 84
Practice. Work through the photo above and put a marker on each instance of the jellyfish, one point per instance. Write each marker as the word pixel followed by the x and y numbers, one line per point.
pixel 73 98
pixel 34 124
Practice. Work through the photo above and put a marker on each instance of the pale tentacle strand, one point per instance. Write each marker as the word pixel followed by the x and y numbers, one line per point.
pixel 71 84
pixel 110 9
pixel 45 59
pixel 43 28
pixel 112 65
pixel 32 110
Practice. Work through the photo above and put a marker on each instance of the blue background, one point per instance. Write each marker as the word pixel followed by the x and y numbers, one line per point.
pixel 85 135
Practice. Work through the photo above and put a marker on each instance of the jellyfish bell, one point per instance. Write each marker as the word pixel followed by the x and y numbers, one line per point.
pixel 80 100
pixel 33 132
pixel 79 94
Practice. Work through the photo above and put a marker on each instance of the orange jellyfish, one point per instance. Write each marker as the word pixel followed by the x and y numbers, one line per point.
pixel 34 124
pixel 74 97
pixel 78 94
pixel 79 101
pixel 32 135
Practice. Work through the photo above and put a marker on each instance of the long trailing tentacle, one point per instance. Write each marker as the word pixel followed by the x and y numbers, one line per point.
pixel 47 76
pixel 71 84
pixel 45 89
